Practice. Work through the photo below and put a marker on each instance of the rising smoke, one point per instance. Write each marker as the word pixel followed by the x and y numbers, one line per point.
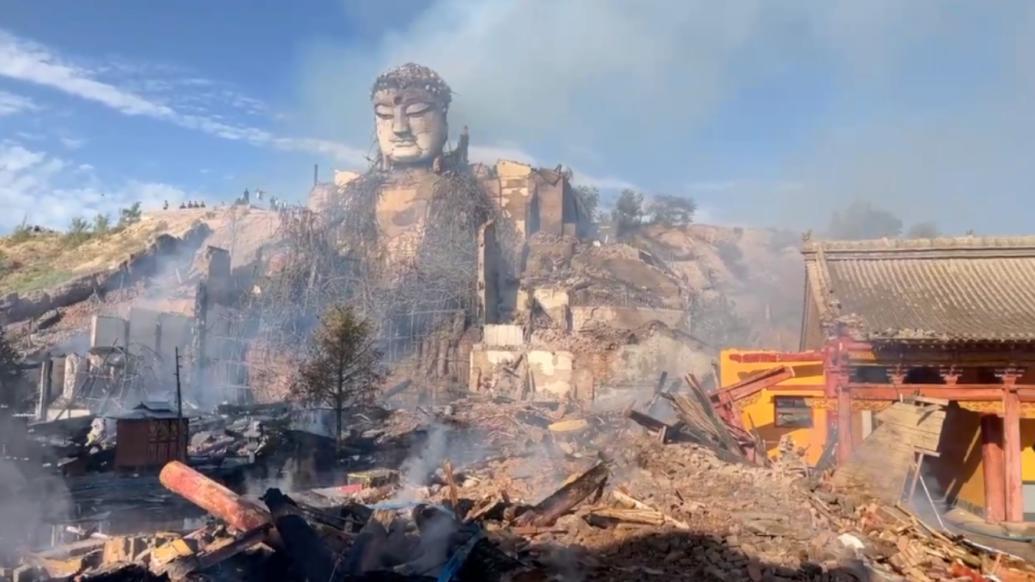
pixel 27 508
pixel 665 95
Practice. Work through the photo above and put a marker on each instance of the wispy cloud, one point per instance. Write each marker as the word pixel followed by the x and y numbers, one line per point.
pixel 48 190
pixel 33 63
pixel 11 104
pixel 934 98
pixel 741 184
pixel 72 143
pixel 604 182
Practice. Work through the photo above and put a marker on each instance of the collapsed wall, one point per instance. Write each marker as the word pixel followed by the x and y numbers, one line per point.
pixel 550 313
pixel 593 322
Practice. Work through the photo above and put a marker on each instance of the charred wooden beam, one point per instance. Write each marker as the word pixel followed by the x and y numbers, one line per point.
pixel 643 516
pixel 454 497
pixel 625 497
pixel 703 419
pixel 183 567
pixel 646 421
pixel 306 548
pixel 566 498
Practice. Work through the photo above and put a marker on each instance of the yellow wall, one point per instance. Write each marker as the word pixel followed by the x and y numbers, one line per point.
pixel 759 414
pixel 960 472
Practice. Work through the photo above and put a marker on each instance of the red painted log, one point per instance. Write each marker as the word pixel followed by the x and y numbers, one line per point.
pixel 214 498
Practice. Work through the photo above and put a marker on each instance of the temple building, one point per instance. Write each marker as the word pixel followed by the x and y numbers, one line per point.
pixel 946 321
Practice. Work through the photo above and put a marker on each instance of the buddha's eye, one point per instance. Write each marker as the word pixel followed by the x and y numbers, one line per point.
pixel 383 111
pixel 417 108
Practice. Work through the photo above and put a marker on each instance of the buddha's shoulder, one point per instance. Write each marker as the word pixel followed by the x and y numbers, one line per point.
pixel 504 174
pixel 504 169
pixel 342 178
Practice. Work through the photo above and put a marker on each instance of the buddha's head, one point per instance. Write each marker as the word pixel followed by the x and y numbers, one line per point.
pixel 410 107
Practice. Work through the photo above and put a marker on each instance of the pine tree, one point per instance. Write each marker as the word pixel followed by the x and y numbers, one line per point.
pixel 130 215
pixel 10 372
pixel 343 367
pixel 628 211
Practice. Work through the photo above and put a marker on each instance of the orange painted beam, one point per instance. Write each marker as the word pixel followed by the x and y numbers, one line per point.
pixel 725 400
pixel 819 389
pixel 1012 455
pixel 993 468
pixel 776 357
pixel 963 392
pixel 753 384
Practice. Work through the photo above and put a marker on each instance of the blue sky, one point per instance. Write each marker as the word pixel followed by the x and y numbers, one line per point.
pixel 768 113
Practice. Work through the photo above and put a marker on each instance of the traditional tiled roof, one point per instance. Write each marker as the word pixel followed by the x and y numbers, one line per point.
pixel 942 289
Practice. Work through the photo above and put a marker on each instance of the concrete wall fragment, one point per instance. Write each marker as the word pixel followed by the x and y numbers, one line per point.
pixel 73 375
pixel 554 302
pixel 174 332
pixel 57 377
pixel 551 206
pixel 503 335
pixel 552 372
pixel 143 331
pixel 488 273
pixel 107 332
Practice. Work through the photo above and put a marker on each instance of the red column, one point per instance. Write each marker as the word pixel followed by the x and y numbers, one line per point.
pixel 844 422
pixel 857 435
pixel 836 381
pixel 834 391
pixel 1012 453
pixel 831 379
pixel 993 467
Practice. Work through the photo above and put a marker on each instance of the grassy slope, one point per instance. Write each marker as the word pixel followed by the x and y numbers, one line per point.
pixel 41 261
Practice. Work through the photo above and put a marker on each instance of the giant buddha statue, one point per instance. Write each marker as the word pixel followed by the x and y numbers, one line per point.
pixel 412 220
pixel 421 219
pixel 430 247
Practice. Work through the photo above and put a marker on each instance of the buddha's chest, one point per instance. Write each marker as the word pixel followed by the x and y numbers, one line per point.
pixel 402 208
pixel 402 215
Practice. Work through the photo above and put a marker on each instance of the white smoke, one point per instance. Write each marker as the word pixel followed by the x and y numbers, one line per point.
pixel 918 106
pixel 27 507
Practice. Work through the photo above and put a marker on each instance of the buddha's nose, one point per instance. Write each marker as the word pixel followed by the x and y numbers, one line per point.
pixel 400 123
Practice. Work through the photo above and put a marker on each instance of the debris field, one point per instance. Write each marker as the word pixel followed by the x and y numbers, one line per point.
pixel 504 490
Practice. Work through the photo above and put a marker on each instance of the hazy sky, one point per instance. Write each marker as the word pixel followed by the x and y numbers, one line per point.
pixel 768 112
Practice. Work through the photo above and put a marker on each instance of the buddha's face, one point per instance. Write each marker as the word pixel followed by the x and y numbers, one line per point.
pixel 411 126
